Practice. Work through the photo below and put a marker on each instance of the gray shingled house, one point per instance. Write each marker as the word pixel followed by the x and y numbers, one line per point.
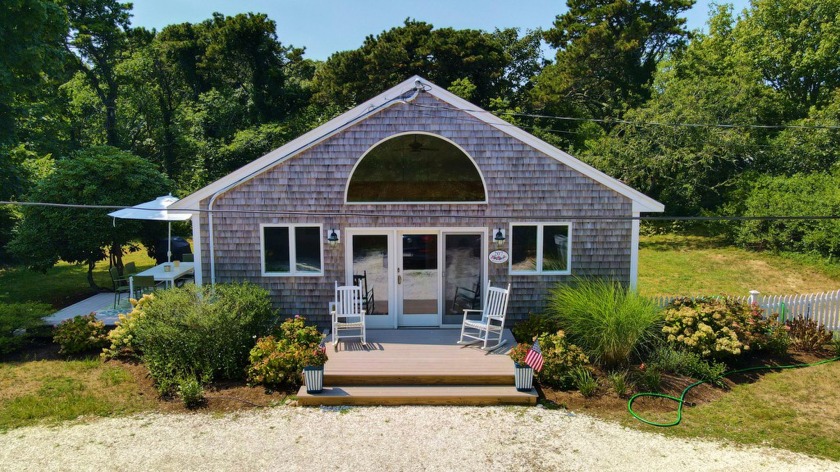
pixel 426 197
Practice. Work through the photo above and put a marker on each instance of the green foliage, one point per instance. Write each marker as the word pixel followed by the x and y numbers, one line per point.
pixel 798 195
pixel 649 378
pixel 191 392
pixel 808 335
pixel 201 332
pixel 536 324
pixel 278 360
pixel 561 359
pixel 620 382
pixel 835 344
pixel 688 363
pixel 585 381
pixel 714 327
pixel 608 321
pixel 17 321
pixel 80 334
pixel 123 336
pixel 96 176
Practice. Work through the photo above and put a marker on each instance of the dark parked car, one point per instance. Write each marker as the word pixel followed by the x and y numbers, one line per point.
pixel 180 246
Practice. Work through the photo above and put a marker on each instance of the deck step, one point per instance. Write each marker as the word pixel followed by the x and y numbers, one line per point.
pixel 418 395
pixel 347 379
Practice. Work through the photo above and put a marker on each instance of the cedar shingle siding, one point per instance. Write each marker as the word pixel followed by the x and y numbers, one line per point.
pixel 522 185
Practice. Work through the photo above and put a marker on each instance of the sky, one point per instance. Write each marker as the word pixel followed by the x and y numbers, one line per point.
pixel 328 26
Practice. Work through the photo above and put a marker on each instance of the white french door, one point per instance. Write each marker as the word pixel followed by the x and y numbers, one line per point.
pixel 416 273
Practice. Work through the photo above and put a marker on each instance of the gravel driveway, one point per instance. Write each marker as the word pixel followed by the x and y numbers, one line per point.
pixel 375 438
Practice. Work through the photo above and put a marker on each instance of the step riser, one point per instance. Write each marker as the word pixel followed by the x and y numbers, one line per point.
pixel 376 401
pixel 335 380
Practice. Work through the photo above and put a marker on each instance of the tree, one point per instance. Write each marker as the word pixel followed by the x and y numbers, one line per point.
pixel 97 41
pixel 31 33
pixel 795 44
pixel 442 55
pixel 608 53
pixel 95 176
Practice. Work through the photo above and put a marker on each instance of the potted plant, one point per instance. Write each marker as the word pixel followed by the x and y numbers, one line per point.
pixel 524 374
pixel 314 358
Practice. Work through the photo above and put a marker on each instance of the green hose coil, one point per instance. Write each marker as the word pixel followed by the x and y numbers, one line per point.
pixel 681 399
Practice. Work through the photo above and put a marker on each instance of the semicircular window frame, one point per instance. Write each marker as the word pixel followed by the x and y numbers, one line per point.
pixel 383 175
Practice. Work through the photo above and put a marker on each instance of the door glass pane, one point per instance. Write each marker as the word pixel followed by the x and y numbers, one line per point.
pixel 308 248
pixel 420 274
pixel 555 248
pixel 276 241
pixel 370 261
pixel 462 279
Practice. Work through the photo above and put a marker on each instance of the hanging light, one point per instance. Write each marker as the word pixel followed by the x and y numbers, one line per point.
pixel 333 237
pixel 499 237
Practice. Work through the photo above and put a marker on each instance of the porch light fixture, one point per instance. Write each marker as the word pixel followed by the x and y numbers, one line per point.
pixel 332 238
pixel 499 237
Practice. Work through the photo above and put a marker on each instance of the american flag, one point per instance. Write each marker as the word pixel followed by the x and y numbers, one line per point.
pixel 534 358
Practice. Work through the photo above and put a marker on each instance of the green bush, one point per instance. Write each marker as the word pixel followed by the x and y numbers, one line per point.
pixel 807 334
pixel 801 194
pixel 203 333
pixel 191 392
pixel 80 334
pixel 608 321
pixel 526 331
pixel 122 337
pixel 585 381
pixel 561 359
pixel 18 321
pixel 714 327
pixel 689 364
pixel 278 360
pixel 649 378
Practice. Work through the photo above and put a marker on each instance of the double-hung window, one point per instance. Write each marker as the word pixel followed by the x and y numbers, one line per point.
pixel 541 248
pixel 291 250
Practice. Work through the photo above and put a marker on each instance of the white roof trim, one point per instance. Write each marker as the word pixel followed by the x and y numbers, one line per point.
pixel 641 202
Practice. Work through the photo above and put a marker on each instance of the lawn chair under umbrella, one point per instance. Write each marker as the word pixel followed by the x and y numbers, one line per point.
pixel 155 210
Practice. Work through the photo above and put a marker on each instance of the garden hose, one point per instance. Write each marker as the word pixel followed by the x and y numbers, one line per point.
pixel 681 400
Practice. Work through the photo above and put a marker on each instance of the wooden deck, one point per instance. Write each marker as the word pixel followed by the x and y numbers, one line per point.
pixel 417 366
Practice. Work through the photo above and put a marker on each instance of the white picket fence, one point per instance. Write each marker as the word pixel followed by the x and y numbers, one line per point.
pixel 822 307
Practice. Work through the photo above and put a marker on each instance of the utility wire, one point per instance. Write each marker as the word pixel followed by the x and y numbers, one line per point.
pixel 437 215
pixel 635 123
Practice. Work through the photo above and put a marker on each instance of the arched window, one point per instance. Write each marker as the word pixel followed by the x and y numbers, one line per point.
pixel 416 168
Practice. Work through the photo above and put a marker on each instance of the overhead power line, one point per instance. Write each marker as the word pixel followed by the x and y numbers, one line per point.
pixel 635 123
pixel 438 215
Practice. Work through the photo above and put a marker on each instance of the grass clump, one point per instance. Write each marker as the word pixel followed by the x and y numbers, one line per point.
pixel 585 381
pixel 610 323
pixel 17 323
pixel 620 382
pixel 689 364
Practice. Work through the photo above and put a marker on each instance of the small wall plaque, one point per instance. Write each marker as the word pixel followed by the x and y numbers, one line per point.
pixel 498 257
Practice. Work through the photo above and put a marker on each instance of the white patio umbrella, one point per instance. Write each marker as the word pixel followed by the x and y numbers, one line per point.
pixel 154 210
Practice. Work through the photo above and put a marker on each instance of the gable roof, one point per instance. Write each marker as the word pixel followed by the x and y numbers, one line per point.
pixel 404 93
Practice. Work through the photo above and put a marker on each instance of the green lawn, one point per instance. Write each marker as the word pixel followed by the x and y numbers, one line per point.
pixel 62 285
pixel 701 265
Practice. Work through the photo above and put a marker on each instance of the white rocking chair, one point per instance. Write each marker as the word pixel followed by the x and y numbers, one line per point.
pixel 347 313
pixel 491 326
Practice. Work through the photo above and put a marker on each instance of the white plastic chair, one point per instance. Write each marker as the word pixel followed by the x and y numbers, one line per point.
pixel 347 313
pixel 491 326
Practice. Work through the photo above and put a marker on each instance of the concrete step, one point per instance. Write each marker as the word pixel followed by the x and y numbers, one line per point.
pixel 418 395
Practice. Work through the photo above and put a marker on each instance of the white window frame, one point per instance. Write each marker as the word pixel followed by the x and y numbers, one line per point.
pixel 293 272
pixel 540 231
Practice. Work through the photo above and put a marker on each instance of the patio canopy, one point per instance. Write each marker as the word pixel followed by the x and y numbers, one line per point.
pixel 155 210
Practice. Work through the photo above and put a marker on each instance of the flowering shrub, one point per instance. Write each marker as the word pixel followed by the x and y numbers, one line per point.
pixel 561 360
pixel 122 337
pixel 79 334
pixel 279 360
pixel 715 327
pixel 519 352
